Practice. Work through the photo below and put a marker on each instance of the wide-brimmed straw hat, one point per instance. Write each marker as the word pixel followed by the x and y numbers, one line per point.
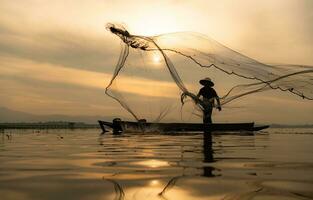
pixel 206 81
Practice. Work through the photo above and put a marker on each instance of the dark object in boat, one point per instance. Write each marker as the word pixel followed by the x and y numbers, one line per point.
pixel 120 126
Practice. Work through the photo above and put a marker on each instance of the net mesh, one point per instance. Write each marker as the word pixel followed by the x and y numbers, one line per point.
pixel 156 75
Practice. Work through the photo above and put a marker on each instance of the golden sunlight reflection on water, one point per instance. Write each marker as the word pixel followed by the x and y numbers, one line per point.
pixel 153 163
pixel 87 165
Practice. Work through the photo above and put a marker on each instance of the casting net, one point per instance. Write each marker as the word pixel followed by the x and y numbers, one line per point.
pixel 157 78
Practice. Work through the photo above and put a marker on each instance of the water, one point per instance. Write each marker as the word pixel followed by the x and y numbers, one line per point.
pixel 82 164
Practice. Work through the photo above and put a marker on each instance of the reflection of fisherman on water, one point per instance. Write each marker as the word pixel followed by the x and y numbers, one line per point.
pixel 208 156
pixel 208 94
pixel 209 170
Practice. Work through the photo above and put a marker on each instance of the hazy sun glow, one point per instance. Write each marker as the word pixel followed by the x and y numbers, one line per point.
pixel 154 182
pixel 156 58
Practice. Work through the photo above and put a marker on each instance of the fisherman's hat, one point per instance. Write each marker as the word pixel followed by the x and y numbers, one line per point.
pixel 206 81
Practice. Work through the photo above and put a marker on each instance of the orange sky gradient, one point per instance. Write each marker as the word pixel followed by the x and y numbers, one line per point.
pixel 56 57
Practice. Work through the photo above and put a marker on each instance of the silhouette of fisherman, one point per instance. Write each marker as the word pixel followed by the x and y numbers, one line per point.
pixel 208 96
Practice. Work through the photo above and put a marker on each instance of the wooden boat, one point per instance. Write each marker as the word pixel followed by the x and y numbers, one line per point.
pixel 120 126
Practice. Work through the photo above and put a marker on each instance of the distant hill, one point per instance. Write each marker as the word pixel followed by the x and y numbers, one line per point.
pixel 12 116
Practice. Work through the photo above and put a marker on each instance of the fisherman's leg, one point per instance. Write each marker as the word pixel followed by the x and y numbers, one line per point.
pixel 207 120
pixel 207 116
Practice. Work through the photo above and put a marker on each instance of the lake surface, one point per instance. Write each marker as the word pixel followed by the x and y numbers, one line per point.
pixel 82 164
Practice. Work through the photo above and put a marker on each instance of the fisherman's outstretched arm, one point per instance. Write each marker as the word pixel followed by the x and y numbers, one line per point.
pixel 198 97
pixel 218 103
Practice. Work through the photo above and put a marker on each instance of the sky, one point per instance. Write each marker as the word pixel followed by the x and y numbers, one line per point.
pixel 56 57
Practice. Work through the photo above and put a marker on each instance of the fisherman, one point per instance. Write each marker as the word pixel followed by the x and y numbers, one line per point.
pixel 208 94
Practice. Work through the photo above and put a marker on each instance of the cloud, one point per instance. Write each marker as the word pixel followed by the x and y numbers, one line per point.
pixel 59 47
pixel 19 68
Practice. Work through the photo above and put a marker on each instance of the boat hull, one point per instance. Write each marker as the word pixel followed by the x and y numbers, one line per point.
pixel 135 127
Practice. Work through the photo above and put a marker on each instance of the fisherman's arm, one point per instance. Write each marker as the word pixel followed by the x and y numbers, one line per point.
pixel 218 103
pixel 197 99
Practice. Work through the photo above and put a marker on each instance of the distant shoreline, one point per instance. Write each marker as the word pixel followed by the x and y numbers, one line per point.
pixel 82 125
pixel 48 125
pixel 291 126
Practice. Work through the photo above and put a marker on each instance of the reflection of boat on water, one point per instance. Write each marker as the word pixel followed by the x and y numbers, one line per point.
pixel 120 126
pixel 186 167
